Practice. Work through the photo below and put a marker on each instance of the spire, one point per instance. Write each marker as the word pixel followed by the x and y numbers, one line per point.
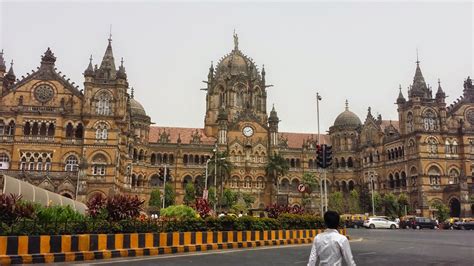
pixel 273 115
pixel 419 88
pixel 440 93
pixel 3 67
pixel 108 63
pixel 211 72
pixel 400 98
pixel 121 72
pixel 89 70
pixel 263 73
pixel 347 105
pixel 10 76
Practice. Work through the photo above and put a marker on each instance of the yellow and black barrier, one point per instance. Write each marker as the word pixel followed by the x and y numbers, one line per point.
pixel 68 248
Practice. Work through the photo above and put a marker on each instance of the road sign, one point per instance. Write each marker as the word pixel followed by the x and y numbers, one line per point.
pixel 301 188
pixel 205 194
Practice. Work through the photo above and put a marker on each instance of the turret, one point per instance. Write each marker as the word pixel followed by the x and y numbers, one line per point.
pixel 440 95
pixel 121 74
pixel 222 118
pixel 107 69
pixel 419 87
pixel 89 72
pixel 400 99
pixel 273 121
pixel 9 78
pixel 3 68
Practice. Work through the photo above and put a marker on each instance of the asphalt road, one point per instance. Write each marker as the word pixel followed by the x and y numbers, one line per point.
pixel 370 247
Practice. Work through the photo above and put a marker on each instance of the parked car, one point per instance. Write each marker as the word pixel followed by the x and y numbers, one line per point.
pixel 406 221
pixel 376 222
pixel 423 222
pixel 354 223
pixel 464 225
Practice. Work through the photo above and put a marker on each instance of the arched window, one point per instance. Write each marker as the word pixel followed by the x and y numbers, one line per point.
pixel 429 120
pixel 4 161
pixel 285 185
pixel 435 176
pixel 337 163
pixel 351 185
pixel 298 163
pixel 79 131
pixel 171 159
pixel 2 127
pixel 69 130
pixel 72 164
pixel 432 143
pixel 10 129
pixel 409 122
pixel 152 159
pixel 247 182
pixel 404 179
pixel 343 162
pixel 101 131
pixel 294 185
pixel 99 165
pixel 260 182
pixel 235 182
pixel 391 181
pixel 397 180
pixel 414 176
pixel 185 159
pixel 104 103
pixel 350 163
pixel 42 130
pixel 141 156
pixel 453 176
pixel 51 129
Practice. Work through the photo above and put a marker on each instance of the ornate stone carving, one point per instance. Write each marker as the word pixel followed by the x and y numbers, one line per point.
pixel 44 93
pixel 470 116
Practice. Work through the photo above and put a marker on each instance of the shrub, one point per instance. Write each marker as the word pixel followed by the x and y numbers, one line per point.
pixel 115 208
pixel 155 198
pixel 96 205
pixel 12 209
pixel 178 212
pixel 189 194
pixel 169 195
pixel 202 207
pixel 274 211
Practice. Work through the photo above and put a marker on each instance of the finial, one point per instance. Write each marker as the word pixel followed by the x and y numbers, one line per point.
pixel 347 105
pixel 132 93
pixel 417 60
pixel 110 33
pixel 369 110
pixel 90 59
pixel 1 52
pixel 11 64
pixel 439 82
pixel 121 61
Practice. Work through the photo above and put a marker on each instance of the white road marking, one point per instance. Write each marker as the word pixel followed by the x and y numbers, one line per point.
pixel 198 253
pixel 366 253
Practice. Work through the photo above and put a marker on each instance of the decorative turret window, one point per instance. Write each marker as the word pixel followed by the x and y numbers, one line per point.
pixel 435 176
pixel 99 165
pixel 432 143
pixel 430 121
pixel 103 103
pixel 101 132
pixel 453 176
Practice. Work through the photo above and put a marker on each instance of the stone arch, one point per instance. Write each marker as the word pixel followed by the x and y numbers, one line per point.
pixel 351 185
pixel 294 184
pixel 453 175
pixel 285 185
pixel 454 207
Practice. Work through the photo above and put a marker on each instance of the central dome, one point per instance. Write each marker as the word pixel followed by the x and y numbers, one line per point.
pixel 236 63
pixel 347 118
pixel 136 108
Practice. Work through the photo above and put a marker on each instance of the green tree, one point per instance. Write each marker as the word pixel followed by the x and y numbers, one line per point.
pixel 336 202
pixel 309 179
pixel 155 198
pixel 211 196
pixel 276 166
pixel 229 199
pixel 402 202
pixel 353 202
pixel 442 211
pixel 377 202
pixel 390 205
pixel 248 199
pixel 169 195
pixel 365 198
pixel 189 194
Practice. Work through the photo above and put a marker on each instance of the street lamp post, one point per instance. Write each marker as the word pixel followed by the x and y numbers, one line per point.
pixel 164 186
pixel 371 180
pixel 322 197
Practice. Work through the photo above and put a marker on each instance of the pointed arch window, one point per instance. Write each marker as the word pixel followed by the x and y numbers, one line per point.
pixel 432 143
pixel 4 161
pixel 69 130
pixel 72 163
pixel 104 100
pixel 101 132
pixel 429 121
pixel 409 122
pixel 453 176
pixel 99 165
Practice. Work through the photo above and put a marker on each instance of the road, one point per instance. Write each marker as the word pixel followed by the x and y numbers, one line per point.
pixel 370 247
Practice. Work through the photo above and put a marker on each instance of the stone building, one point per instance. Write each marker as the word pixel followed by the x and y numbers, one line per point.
pixel 99 139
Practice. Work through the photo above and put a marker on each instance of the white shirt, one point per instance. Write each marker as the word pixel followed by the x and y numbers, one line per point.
pixel 330 247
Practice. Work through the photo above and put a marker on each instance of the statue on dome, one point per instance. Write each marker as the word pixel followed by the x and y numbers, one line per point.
pixel 236 41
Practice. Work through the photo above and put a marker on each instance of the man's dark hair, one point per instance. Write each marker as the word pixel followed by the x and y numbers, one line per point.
pixel 331 219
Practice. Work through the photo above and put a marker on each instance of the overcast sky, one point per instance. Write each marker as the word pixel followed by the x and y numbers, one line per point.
pixel 355 51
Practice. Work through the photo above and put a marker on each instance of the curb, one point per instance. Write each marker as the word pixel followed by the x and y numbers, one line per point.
pixel 135 252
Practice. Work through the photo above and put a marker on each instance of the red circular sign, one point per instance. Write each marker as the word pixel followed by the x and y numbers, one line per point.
pixel 301 188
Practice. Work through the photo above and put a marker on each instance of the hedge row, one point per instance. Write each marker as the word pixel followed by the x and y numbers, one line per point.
pixel 226 223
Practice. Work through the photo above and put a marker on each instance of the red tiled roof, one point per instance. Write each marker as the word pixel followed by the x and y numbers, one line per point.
pixel 386 123
pixel 185 133
pixel 295 140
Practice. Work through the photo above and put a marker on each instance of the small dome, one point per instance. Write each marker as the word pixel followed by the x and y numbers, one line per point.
pixel 347 118
pixel 136 108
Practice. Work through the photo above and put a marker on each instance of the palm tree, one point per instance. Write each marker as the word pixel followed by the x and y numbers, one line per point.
pixel 276 166
pixel 223 166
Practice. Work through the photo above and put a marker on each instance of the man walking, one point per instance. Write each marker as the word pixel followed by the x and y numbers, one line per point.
pixel 330 247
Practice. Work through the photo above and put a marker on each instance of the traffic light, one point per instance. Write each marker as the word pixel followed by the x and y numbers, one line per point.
pixel 328 156
pixel 320 156
pixel 161 172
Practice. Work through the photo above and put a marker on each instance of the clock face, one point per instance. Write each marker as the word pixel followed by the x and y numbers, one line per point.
pixel 247 131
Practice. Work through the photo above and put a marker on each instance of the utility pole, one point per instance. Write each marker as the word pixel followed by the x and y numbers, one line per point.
pixel 318 98
pixel 371 176
pixel 164 186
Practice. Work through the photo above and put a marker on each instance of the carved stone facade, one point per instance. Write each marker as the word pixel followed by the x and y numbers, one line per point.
pixel 100 140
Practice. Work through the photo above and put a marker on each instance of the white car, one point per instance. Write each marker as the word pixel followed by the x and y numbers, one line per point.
pixel 377 222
